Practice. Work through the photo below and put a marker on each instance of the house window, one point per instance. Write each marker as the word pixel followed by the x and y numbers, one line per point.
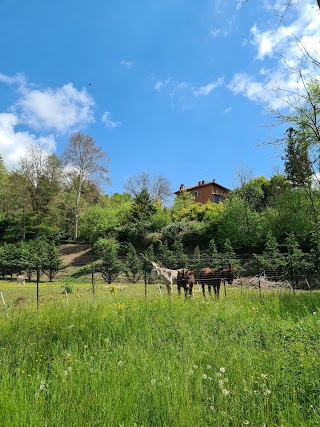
pixel 195 193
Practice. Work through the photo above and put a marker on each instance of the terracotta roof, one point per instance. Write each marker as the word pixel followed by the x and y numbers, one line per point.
pixel 202 184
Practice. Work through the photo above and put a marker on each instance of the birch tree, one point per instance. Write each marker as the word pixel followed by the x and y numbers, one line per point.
pixel 88 163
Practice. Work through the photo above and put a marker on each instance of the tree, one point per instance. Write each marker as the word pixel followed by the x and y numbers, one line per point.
pixel 87 163
pixel 52 263
pixel 296 263
pixel 271 259
pixel 158 186
pixel 107 250
pixel 133 266
pixel 183 201
pixel 297 163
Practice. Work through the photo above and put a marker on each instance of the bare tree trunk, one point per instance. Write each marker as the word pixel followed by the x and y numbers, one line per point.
pixel 77 208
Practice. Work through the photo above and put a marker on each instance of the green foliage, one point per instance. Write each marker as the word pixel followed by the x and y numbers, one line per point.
pixel 296 264
pixel 297 163
pixel 133 265
pixel 107 250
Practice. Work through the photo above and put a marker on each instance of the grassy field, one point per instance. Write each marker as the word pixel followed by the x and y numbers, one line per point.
pixel 116 359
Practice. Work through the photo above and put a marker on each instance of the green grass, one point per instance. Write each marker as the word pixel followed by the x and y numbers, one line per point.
pixel 116 359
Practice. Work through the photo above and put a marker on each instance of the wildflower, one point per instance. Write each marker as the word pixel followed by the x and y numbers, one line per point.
pixel 222 370
pixel 246 422
pixel 219 374
pixel 204 376
pixel 267 392
pixel 65 373
pixel 195 366
pixel 153 381
pixel 191 371
pixel 225 392
pixel 69 369
pixel 71 326
pixel 264 376
pixel 211 407
pixel 220 382
pixel 120 363
pixel 208 366
pixel 43 385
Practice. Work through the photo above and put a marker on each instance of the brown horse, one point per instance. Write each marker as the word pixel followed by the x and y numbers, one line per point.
pixel 185 280
pixel 212 277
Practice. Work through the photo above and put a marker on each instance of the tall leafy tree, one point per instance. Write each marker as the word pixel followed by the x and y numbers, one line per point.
pixel 87 163
pixel 297 163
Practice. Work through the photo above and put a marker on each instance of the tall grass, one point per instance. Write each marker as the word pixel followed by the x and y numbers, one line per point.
pixel 242 360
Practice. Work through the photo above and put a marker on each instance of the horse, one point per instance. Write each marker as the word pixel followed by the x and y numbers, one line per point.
pixel 20 279
pixel 185 280
pixel 213 277
pixel 168 275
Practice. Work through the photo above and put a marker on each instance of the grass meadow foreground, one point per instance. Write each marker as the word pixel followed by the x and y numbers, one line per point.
pixel 115 359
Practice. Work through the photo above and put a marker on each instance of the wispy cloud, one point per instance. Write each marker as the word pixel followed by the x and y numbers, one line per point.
pixel 126 63
pixel 106 119
pixel 160 84
pixel 207 89
pixel 218 33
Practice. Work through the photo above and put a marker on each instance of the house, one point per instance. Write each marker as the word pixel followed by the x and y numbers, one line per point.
pixel 205 191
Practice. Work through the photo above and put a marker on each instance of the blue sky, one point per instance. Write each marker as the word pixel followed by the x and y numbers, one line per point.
pixel 167 87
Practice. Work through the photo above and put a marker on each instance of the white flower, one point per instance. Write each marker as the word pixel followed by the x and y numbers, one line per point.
pixel 43 385
pixel 195 366
pixel 208 366
pixel 69 368
pixel 204 376
pixel 267 392
pixel 153 381
pixel 191 371
pixel 219 374
pixel 211 407
pixel 222 370
pixel 220 382
pixel 246 422
pixel 225 391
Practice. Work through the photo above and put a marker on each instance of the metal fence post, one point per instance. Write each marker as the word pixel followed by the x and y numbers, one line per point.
pixel 38 279
pixel 92 278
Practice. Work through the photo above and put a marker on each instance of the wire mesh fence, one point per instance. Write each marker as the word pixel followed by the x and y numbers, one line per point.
pixel 248 270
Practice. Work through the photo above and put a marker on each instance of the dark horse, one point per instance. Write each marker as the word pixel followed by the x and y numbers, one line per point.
pixel 185 280
pixel 213 278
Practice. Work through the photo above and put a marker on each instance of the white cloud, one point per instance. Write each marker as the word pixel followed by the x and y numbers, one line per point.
pixel 126 63
pixel 18 79
pixel 60 110
pixel 160 84
pixel 108 122
pixel 279 49
pixel 14 144
pixel 227 110
pixel 206 90
pixel 218 33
